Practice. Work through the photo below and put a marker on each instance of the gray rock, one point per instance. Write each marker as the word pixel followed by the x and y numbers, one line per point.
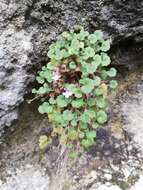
pixel 28 26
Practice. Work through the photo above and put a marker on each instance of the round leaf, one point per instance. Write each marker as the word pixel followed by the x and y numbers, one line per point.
pixel 101 117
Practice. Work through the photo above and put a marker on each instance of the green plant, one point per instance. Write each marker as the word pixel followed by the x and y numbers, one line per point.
pixel 74 88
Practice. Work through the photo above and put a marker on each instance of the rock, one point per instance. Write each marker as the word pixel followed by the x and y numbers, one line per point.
pixel 138 185
pixel 108 176
pixel 133 114
pixel 27 27
pixel 26 178
pixel 104 187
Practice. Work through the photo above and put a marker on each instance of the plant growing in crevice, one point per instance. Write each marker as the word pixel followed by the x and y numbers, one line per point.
pixel 74 88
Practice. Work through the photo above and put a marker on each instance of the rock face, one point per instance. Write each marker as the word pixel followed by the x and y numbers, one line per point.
pixel 28 26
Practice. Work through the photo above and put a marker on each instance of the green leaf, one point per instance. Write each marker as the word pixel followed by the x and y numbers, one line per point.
pixel 73 154
pixel 97 81
pixel 88 53
pixel 68 115
pixel 52 101
pixel 75 46
pixel 91 134
pixel 72 65
pixel 85 118
pixel 74 123
pixel 101 117
pixel 105 59
pixel 51 66
pixel 88 85
pixel 57 117
pixel 44 141
pixel 78 103
pixel 101 102
pixel 86 143
pixel 72 134
pixel 91 102
pixel 97 60
pixel 34 91
pixel 47 75
pixel 43 90
pixel 82 35
pixel 95 125
pixel 61 101
pixel 83 125
pixel 90 113
pixel 45 108
pixel 112 72
pixel 81 135
pixel 113 84
pixel 90 67
pixel 40 80
pixel 98 92
pixel 105 45
pixel 76 91
pixel 99 35
pixel 92 38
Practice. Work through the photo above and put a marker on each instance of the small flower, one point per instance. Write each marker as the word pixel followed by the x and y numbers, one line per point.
pixel 67 93
pixel 56 75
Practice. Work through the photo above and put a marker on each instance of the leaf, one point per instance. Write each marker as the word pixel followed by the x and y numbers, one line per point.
pixel 105 45
pixel 86 143
pixel 104 88
pixel 83 125
pixel 113 84
pixel 97 81
pixel 101 102
pixel 88 85
pixel 34 91
pixel 43 90
pixel 52 101
pixel 78 103
pixel 44 141
pixel 68 115
pixel 91 102
pixel 61 101
pixel 73 154
pixel 57 117
pixel 45 108
pixel 40 80
pixel 58 130
pixel 74 123
pixel 95 125
pixel 105 59
pixel 88 53
pixel 99 35
pixel 92 38
pixel 91 134
pixel 112 72
pixel 97 60
pixel 75 46
pixel 101 117
pixel 72 134
pixel 90 67
pixel 90 113
pixel 85 118
pixel 72 65
pixel 82 35
pixel 81 135
pixel 50 66
pixel 48 75
pixel 76 91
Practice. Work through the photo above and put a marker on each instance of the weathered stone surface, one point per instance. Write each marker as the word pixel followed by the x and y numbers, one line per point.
pixel 28 26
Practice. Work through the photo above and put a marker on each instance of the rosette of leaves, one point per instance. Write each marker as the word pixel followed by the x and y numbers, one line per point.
pixel 74 88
